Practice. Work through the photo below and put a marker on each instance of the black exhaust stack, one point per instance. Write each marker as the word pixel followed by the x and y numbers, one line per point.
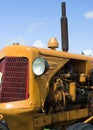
pixel 64 29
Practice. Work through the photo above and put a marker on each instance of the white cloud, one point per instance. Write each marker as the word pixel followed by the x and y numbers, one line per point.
pixel 39 44
pixel 22 41
pixel 88 52
pixel 89 15
pixel 19 39
pixel 34 26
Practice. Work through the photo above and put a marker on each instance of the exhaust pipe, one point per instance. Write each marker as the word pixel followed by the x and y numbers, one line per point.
pixel 64 29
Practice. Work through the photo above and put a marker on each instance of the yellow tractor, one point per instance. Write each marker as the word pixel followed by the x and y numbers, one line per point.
pixel 46 89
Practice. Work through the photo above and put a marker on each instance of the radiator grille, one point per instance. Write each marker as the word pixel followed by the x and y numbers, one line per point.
pixel 14 82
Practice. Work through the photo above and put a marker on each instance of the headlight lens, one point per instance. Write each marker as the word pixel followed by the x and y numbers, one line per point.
pixel 40 66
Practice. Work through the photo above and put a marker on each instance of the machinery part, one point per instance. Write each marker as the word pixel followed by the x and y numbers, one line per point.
pixel 39 66
pixel 13 79
pixel 53 43
pixel 89 119
pixel 80 126
pixel 82 78
pixel 72 91
pixel 59 128
pixel 91 105
pixel 64 29
pixel 3 125
pixel 91 73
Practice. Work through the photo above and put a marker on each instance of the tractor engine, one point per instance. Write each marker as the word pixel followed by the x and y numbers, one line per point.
pixel 70 89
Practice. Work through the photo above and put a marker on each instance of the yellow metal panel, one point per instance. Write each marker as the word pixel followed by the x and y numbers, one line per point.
pixel 60 117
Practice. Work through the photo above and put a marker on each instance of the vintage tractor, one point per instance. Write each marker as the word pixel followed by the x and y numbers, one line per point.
pixel 46 89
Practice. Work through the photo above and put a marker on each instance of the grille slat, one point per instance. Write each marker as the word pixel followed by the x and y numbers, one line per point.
pixel 14 79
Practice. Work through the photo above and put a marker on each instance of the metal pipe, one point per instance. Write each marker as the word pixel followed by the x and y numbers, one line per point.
pixel 89 119
pixel 64 28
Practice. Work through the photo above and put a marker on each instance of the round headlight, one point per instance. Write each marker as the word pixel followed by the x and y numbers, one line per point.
pixel 39 66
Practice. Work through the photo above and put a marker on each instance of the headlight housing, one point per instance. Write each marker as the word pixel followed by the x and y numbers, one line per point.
pixel 40 66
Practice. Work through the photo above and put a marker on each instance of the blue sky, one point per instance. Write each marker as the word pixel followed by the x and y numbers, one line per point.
pixel 33 22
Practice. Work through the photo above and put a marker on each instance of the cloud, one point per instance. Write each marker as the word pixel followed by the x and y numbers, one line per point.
pixel 88 52
pixel 34 26
pixel 22 41
pixel 39 44
pixel 89 15
pixel 19 39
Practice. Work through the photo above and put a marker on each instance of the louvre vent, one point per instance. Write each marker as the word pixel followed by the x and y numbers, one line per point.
pixel 14 79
